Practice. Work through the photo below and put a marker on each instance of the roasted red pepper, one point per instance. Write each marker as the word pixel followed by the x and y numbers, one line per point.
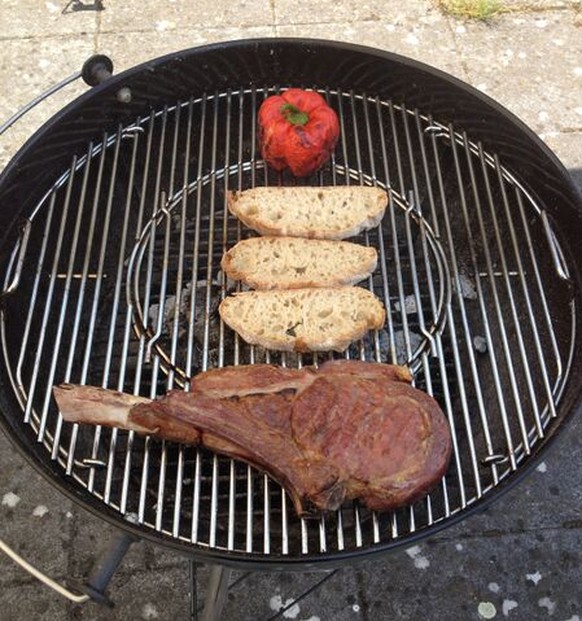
pixel 297 130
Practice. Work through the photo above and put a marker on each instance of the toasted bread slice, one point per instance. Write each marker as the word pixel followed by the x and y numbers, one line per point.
pixel 303 319
pixel 295 262
pixel 333 212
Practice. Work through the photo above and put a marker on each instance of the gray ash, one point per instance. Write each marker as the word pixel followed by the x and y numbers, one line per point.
pixel 200 301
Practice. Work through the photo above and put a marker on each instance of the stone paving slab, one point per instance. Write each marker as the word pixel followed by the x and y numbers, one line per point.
pixel 90 537
pixel 529 6
pixel 303 12
pixel 36 520
pixel 43 18
pixel 137 595
pixel 530 63
pixel 32 601
pixel 262 595
pixel 150 17
pixel 412 39
pixel 567 148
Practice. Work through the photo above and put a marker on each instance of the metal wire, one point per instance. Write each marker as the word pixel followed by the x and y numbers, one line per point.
pixel 77 598
pixel 40 98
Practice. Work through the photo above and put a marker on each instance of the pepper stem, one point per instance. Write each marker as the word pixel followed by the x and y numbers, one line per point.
pixel 294 115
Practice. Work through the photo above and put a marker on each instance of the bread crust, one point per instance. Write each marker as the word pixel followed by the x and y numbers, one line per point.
pixel 342 330
pixel 357 264
pixel 376 200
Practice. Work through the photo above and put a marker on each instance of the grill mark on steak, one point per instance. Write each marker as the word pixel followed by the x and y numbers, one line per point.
pixel 349 429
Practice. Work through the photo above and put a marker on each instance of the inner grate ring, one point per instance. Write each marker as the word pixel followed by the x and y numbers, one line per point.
pixel 178 317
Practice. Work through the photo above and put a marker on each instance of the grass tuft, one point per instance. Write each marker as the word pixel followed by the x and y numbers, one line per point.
pixel 472 9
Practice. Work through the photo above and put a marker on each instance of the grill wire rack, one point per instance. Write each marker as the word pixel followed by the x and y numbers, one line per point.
pixel 118 269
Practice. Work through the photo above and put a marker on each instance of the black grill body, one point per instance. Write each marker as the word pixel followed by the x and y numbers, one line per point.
pixel 113 218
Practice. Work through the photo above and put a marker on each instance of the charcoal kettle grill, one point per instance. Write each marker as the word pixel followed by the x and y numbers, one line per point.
pixel 113 224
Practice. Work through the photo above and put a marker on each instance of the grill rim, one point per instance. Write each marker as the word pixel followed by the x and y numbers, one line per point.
pixel 569 407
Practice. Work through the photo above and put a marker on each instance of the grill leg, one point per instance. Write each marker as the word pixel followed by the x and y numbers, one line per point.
pixel 216 594
pixel 105 567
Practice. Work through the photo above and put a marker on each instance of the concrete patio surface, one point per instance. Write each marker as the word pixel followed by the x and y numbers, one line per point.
pixel 521 559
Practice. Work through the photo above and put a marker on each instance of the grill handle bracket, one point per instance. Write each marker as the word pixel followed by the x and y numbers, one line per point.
pixel 17 260
pixel 99 68
pixel 555 250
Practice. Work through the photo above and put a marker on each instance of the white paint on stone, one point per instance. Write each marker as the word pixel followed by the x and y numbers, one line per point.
pixel 40 511
pixel 535 578
pixel 420 561
pixel 507 606
pixel 508 55
pixel 411 39
pixel 486 610
pixel 293 611
pixel 164 25
pixel 546 602
pixel 276 603
pixel 10 500
pixel 149 611
pixel 467 286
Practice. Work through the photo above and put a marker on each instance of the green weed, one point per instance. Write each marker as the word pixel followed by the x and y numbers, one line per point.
pixel 473 9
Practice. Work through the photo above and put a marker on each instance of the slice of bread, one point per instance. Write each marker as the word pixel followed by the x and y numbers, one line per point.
pixel 303 319
pixel 295 262
pixel 332 212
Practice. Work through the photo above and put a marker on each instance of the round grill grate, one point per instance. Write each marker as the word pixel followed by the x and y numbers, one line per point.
pixel 120 284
